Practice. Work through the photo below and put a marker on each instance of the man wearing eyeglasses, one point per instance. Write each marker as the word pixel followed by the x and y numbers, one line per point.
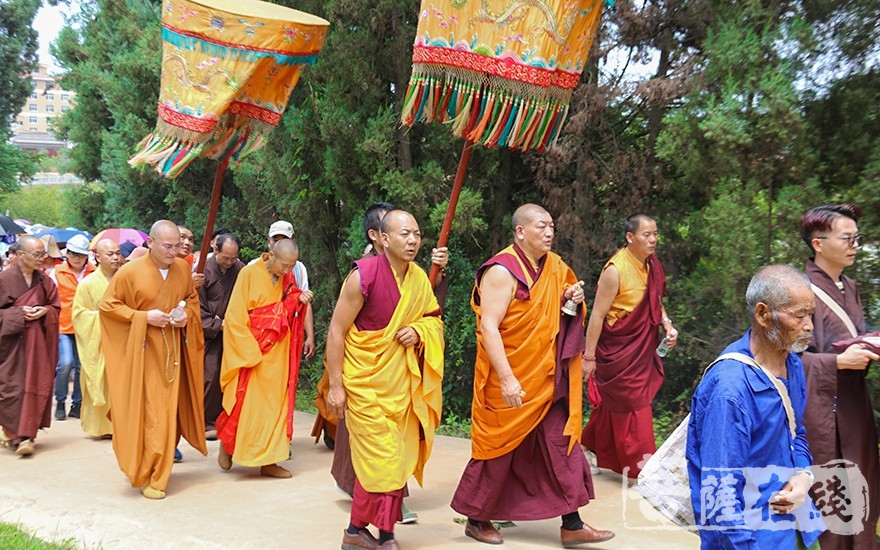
pixel 154 361
pixel 29 308
pixel 840 418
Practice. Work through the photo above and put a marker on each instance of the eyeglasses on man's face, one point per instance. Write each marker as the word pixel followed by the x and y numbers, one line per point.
pixel 850 240
pixel 35 255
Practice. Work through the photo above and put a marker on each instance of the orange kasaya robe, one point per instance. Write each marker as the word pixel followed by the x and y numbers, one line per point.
pixel 152 396
pixel 531 334
pixel 262 346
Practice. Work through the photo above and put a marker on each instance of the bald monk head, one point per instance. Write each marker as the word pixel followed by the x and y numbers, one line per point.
pixel 164 243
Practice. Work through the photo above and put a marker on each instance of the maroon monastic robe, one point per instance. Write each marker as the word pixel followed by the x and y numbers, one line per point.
pixel 28 352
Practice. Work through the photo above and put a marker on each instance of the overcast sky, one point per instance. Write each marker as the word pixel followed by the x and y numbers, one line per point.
pixel 48 23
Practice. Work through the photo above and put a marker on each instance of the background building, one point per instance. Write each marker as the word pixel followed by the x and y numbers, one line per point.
pixel 32 129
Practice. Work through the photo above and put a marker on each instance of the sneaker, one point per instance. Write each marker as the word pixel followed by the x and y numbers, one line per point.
pixel 178 456
pixel 408 515
pixel 60 413
pixel 74 410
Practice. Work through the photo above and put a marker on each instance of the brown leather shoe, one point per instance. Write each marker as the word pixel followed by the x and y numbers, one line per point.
pixel 583 535
pixel 390 545
pixel 484 531
pixel 274 470
pixel 364 539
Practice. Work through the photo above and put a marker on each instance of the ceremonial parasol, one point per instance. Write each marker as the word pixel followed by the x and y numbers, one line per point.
pixel 228 68
pixel 499 73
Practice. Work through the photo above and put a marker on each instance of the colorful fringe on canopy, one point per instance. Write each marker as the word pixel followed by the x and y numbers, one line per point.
pixel 501 73
pixel 228 68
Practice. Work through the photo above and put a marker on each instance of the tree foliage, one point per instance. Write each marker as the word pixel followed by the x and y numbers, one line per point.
pixel 18 58
pixel 734 125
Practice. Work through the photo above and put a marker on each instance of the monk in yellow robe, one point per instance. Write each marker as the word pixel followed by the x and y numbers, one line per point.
pixel 154 361
pixel 262 346
pixel 95 414
pixel 526 463
pixel 385 367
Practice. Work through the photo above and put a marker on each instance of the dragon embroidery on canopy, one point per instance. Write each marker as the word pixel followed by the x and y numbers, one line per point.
pixel 518 10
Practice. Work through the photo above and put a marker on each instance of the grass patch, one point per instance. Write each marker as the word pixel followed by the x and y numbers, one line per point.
pixel 13 538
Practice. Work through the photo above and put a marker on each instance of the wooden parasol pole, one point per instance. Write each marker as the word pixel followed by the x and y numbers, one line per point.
pixel 453 202
pixel 212 213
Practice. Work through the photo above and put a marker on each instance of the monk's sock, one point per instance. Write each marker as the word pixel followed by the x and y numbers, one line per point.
pixel 474 522
pixel 385 536
pixel 354 529
pixel 572 521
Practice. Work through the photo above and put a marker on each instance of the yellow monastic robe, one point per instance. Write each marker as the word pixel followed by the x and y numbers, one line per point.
pixel 261 437
pixel 87 328
pixel 392 390
pixel 633 276
pixel 155 376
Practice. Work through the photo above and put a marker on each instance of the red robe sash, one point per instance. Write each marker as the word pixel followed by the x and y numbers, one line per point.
pixel 269 324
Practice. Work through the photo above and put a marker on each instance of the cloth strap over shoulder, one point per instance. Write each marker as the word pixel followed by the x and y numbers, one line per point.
pixel 664 480
pixel 835 307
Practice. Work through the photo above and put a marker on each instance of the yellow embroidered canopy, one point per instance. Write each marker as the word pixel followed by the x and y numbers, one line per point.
pixel 501 73
pixel 228 68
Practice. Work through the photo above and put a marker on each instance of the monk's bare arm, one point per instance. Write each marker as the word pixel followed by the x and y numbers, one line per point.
pixel 496 292
pixel 347 308
pixel 606 290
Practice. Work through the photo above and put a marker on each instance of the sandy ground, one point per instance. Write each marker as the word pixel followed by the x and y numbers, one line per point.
pixel 73 488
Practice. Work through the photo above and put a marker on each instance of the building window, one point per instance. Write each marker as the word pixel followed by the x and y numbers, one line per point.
pixel 64 108
pixel 50 96
pixel 50 108
pixel 34 83
pixel 33 95
pixel 65 97
pixel 32 119
pixel 32 107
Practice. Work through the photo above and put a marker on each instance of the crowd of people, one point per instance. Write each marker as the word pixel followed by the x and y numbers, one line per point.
pixel 156 349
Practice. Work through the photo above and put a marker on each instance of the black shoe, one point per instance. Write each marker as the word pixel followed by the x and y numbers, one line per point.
pixel 60 413
pixel 328 441
pixel 74 410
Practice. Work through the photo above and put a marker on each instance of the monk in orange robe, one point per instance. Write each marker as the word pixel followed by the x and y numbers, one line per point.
pixel 154 361
pixel 385 369
pixel 622 339
pixel 262 346
pixel 526 463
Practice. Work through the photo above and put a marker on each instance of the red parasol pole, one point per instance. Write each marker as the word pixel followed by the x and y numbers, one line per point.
pixel 212 213
pixel 453 202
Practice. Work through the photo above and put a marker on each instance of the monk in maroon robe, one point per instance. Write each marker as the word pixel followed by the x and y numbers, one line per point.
pixel 839 417
pixel 29 308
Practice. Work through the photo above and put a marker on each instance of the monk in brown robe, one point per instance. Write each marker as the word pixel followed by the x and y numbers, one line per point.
pixel 839 417
pixel 29 308
pixel 221 272
pixel 622 339
pixel 154 359
pixel 526 463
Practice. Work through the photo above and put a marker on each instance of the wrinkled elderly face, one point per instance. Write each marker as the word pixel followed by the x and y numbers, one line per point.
pixel 281 263
pixel 227 256
pixel 403 239
pixel 793 323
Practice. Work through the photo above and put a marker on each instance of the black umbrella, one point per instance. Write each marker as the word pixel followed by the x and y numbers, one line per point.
pixel 9 227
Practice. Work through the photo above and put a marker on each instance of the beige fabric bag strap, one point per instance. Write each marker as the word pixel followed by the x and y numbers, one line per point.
pixel 835 307
pixel 777 383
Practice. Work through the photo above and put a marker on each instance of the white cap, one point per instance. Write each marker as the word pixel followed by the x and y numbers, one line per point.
pixel 78 244
pixel 281 227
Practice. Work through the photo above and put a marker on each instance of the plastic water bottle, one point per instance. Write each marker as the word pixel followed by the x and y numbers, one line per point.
pixel 663 348
pixel 177 313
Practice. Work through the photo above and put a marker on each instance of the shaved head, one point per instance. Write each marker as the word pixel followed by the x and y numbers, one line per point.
pixel 286 248
pixel 527 213
pixel 29 243
pixel 105 245
pixel 164 228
